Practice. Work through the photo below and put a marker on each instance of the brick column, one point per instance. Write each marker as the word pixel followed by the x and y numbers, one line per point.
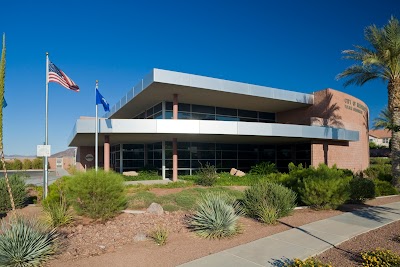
pixel 175 143
pixel 106 153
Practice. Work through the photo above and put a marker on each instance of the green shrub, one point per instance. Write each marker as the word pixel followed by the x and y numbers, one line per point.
pixel 361 189
pixel 144 175
pixel 384 188
pixel 97 195
pixel 16 164
pixel 380 257
pixel 262 198
pixel 27 164
pixel 263 168
pixel 207 175
pixel 26 243
pixel 325 188
pixel 37 163
pixel 310 262
pixel 159 236
pixel 267 214
pixel 56 206
pixel 379 171
pixel 17 184
pixel 216 216
pixel 279 178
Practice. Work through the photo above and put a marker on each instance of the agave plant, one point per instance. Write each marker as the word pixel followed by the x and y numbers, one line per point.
pixel 26 242
pixel 216 216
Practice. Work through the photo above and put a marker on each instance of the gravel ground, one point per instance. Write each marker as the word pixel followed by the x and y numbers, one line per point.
pixel 113 243
pixel 349 252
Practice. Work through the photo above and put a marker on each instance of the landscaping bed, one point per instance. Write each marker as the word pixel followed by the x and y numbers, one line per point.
pixel 102 244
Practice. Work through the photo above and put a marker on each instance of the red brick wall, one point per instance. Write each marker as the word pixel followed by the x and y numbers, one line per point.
pixel 82 163
pixel 67 161
pixel 339 110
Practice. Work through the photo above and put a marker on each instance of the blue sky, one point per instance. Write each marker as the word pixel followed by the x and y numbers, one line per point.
pixel 293 45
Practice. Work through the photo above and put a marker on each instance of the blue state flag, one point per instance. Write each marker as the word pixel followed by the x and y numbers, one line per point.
pixel 4 102
pixel 101 100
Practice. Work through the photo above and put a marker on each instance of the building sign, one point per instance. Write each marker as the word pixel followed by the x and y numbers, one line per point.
pixel 89 157
pixel 43 151
pixel 354 106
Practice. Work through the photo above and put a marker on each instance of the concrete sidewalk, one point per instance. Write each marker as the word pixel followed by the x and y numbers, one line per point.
pixel 305 241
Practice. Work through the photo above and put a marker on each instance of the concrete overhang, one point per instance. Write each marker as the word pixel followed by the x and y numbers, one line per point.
pixel 161 85
pixel 148 131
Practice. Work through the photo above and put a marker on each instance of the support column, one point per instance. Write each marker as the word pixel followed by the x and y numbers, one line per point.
pixel 174 159
pixel 121 155
pixel 175 107
pixel 106 153
pixel 163 160
pixel 175 143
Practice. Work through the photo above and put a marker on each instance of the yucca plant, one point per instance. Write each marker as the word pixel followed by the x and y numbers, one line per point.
pixel 57 214
pixel 216 216
pixel 26 242
pixel 159 235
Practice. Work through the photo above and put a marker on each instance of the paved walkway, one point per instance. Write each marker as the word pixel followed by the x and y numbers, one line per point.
pixel 304 241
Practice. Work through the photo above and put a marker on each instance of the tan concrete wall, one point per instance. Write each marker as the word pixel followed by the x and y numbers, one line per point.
pixel 83 151
pixel 339 110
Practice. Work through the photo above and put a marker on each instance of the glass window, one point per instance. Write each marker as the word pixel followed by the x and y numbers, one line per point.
pixel 248 155
pixel 149 155
pixel 229 155
pixel 168 105
pixel 184 107
pixel 229 164
pixel 169 115
pixel 183 154
pixel 158 107
pixel 157 154
pixel 226 111
pixel 184 115
pixel 203 109
pixel 203 155
pixel 226 118
pixel 158 116
pixel 266 116
pixel 199 116
pixel 158 163
pixel 247 113
pixel 183 145
pixel 157 145
pixel 183 163
pixel 199 163
pixel 226 146
pixel 150 112
pixel 204 146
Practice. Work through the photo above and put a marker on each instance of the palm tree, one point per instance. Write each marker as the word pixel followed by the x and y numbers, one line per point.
pixel 384 120
pixel 380 61
pixel 2 82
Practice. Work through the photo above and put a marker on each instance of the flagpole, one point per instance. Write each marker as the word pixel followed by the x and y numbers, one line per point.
pixel 46 167
pixel 96 157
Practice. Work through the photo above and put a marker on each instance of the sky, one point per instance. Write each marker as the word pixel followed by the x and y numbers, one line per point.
pixel 292 45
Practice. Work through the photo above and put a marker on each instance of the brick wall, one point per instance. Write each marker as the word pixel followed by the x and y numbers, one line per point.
pixel 83 151
pixel 339 110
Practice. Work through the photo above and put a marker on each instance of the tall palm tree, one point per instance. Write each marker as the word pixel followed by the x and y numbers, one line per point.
pixel 2 82
pixel 384 120
pixel 380 61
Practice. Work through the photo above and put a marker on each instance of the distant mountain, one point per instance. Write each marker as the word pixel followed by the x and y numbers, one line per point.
pixel 18 157
pixel 70 152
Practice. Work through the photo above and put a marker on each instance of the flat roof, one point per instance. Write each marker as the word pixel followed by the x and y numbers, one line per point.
pixel 160 85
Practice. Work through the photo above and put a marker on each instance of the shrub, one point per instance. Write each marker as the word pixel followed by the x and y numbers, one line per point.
pixel 37 163
pixel 263 168
pixel 216 216
pixel 159 236
pixel 361 189
pixel 26 242
pixel 17 184
pixel 264 198
pixel 57 214
pixel 207 175
pixel 310 262
pixel 379 171
pixel 16 164
pixel 27 164
pixel 380 257
pixel 97 195
pixel 384 188
pixel 325 188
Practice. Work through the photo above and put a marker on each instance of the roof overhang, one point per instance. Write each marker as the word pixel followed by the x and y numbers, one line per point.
pixel 147 131
pixel 161 85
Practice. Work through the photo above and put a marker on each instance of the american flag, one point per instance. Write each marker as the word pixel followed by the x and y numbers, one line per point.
pixel 58 76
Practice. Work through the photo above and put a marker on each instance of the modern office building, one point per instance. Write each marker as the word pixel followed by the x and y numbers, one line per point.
pixel 177 122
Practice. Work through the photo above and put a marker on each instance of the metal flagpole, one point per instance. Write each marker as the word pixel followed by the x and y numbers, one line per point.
pixel 96 157
pixel 46 167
